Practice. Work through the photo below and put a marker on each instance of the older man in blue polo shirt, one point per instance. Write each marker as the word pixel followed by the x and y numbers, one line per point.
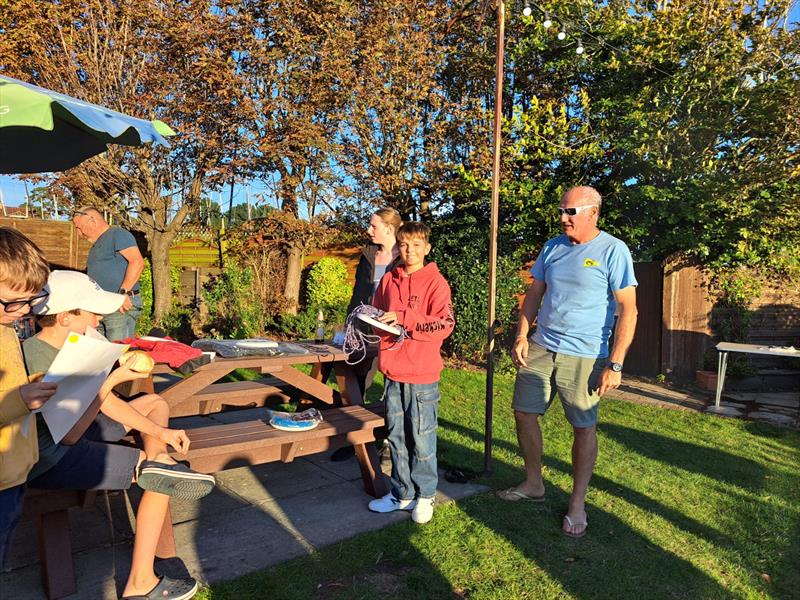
pixel 581 281
pixel 116 264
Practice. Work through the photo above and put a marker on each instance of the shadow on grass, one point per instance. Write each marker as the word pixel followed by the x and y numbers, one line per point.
pixel 614 551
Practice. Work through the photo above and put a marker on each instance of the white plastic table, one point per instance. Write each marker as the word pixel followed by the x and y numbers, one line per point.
pixel 724 348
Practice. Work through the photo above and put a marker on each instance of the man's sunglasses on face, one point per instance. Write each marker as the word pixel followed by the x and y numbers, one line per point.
pixel 16 305
pixel 574 210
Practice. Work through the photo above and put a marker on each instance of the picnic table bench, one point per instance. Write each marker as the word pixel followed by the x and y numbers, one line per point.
pixel 215 447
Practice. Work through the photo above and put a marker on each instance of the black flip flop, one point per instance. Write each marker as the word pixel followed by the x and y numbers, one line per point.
pixel 459 475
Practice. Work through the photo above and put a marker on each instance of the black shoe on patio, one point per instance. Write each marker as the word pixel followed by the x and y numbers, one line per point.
pixel 169 589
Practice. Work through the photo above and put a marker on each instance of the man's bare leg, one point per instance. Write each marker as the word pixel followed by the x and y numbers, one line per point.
pixel 584 456
pixel 529 437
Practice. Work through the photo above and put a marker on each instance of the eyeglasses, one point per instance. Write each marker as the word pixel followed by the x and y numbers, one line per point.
pixel 16 305
pixel 574 210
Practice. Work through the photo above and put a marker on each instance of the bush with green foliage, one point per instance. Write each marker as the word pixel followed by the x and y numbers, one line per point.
pixel 145 322
pixel 327 283
pixel 460 250
pixel 234 311
pixel 328 290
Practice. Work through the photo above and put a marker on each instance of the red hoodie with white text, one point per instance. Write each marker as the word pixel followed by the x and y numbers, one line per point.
pixel 422 303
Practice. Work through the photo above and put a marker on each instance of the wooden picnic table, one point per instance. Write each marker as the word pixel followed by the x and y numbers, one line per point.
pixel 220 446
pixel 200 393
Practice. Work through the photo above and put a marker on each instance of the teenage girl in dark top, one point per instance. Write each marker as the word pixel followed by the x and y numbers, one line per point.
pixel 377 258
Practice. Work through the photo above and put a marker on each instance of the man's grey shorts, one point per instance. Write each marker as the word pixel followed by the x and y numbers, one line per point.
pixel 574 378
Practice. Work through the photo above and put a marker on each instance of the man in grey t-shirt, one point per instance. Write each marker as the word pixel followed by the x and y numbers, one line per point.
pixel 116 264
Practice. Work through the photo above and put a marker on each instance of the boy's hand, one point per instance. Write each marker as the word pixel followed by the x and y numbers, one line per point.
pixel 34 395
pixel 176 438
pixel 124 373
pixel 520 352
pixel 390 318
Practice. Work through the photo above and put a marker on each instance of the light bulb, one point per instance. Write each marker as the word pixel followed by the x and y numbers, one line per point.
pixel 579 49
pixel 527 11
pixel 562 35
pixel 547 23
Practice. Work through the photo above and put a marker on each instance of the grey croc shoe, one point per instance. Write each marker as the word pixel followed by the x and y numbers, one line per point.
pixel 178 480
pixel 169 589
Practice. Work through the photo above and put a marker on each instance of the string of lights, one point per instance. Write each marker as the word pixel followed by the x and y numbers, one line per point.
pixel 566 23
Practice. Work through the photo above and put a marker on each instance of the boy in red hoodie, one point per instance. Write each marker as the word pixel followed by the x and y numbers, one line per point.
pixel 415 297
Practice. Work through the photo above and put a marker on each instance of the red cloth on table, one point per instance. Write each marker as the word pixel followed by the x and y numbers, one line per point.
pixel 164 351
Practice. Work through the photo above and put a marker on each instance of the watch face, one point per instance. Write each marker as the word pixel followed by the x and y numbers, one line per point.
pixel 616 367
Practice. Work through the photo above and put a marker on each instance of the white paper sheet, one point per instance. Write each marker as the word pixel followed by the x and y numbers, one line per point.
pixel 79 369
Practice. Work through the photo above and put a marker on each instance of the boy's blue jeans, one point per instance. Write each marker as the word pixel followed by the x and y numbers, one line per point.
pixel 412 412
pixel 10 513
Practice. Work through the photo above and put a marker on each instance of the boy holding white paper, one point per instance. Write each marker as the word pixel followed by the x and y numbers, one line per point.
pixel 75 304
pixel 23 275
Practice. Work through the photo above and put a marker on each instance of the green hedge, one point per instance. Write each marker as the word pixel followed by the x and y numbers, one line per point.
pixel 460 250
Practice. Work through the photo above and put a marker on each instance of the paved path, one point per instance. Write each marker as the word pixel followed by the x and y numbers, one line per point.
pixel 255 518
pixel 776 408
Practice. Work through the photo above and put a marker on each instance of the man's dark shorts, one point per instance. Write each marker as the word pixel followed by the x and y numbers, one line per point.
pixel 95 462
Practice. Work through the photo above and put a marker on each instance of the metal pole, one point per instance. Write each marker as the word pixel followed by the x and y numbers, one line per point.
pixel 498 117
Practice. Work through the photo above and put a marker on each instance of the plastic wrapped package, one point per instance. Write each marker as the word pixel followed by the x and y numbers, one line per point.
pixel 249 347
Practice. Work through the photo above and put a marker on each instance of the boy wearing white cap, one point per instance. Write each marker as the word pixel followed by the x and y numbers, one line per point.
pixel 75 304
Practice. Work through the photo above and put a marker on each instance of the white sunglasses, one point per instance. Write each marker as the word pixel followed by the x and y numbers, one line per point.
pixel 574 210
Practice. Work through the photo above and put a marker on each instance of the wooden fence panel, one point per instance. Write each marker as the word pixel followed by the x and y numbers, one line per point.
pixel 192 281
pixel 686 336
pixel 195 252
pixel 644 355
pixel 59 240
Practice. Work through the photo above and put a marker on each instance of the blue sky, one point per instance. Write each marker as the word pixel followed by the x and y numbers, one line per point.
pixel 13 189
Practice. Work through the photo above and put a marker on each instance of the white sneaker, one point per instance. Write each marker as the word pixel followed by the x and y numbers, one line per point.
pixel 390 504
pixel 423 511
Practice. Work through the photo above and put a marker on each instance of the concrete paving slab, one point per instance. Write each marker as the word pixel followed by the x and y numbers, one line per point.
pixel 772 418
pixel 274 481
pixel 94 570
pixel 91 522
pixel 258 517
pixel 217 547
pixel 327 515
pixel 221 499
pixel 346 469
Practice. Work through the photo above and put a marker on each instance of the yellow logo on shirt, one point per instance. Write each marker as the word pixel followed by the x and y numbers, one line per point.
pixel 73 339
pixel 590 263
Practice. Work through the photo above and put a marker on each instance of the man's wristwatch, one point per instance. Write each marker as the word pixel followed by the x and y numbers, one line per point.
pixel 614 366
pixel 124 291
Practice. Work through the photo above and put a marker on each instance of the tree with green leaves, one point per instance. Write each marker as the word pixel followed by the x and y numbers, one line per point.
pixel 171 60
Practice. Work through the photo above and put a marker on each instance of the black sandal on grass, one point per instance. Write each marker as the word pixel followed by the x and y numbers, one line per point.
pixel 459 475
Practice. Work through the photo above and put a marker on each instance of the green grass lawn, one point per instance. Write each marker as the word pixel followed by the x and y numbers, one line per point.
pixel 681 505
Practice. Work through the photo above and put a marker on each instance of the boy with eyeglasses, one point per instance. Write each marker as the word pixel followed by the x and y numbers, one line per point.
pixel 23 275
pixel 75 304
